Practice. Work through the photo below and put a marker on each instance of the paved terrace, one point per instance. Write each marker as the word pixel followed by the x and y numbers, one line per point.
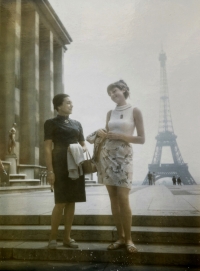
pixel 145 200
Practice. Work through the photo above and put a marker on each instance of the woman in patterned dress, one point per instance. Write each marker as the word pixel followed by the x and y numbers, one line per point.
pixel 115 166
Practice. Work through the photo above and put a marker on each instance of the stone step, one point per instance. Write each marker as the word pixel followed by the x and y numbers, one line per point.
pixel 96 252
pixel 105 220
pixel 164 235
pixel 24 182
pixel 17 177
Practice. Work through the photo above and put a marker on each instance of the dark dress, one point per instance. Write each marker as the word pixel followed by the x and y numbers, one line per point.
pixel 62 134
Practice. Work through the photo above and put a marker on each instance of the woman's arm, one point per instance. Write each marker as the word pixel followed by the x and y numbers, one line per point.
pixel 140 138
pixel 82 143
pixel 48 159
pixel 101 132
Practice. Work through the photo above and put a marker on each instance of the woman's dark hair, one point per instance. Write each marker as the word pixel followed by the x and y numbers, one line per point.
pixel 121 85
pixel 58 100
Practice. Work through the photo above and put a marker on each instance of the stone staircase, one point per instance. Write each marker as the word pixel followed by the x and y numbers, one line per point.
pixel 161 240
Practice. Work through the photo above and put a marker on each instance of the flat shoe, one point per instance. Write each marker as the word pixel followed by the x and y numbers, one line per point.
pixel 130 248
pixel 72 243
pixel 52 244
pixel 115 245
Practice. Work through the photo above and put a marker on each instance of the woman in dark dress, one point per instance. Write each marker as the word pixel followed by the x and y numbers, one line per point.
pixel 59 133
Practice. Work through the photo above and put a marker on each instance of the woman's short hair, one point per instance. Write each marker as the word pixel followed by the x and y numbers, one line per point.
pixel 58 100
pixel 121 85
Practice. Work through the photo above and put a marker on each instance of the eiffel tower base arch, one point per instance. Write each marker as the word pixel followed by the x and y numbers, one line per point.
pixel 170 170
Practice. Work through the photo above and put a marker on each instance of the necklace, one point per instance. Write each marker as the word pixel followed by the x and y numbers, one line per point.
pixel 66 121
pixel 122 108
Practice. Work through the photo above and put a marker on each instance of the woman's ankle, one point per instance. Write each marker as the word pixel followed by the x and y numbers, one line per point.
pixel 129 242
pixel 66 239
pixel 121 240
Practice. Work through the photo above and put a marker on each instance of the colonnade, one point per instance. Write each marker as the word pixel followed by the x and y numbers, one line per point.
pixel 32 45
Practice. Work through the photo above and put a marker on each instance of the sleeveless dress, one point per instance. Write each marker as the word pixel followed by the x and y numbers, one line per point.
pixel 115 166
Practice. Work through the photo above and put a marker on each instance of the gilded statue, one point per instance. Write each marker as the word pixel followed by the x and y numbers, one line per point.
pixel 11 139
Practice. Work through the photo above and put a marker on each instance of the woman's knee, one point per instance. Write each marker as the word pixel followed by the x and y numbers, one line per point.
pixel 69 205
pixel 123 197
pixel 60 206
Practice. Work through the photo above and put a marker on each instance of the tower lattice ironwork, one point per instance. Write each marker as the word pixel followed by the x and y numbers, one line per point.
pixel 166 137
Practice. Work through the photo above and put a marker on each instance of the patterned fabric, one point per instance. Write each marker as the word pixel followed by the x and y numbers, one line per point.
pixel 115 165
pixel 97 141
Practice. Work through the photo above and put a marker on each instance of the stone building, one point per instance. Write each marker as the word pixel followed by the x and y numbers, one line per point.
pixel 32 44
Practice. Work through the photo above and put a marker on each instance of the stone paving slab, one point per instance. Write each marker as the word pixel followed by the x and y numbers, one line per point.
pixel 144 200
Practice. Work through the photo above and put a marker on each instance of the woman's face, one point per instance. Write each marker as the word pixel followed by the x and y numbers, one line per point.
pixel 117 95
pixel 66 107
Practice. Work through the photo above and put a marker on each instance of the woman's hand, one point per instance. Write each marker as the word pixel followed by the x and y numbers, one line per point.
pixel 115 136
pixel 102 133
pixel 83 145
pixel 51 178
pixel 84 148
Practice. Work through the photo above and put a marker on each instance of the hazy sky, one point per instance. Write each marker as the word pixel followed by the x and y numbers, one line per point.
pixel 121 39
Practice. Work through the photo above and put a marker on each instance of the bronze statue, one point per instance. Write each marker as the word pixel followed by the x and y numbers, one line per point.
pixel 11 139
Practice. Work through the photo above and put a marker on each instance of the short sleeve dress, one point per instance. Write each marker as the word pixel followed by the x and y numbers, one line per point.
pixel 63 132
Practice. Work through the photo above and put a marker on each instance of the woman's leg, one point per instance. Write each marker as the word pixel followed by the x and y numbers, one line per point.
pixel 125 212
pixel 115 208
pixel 55 219
pixel 68 220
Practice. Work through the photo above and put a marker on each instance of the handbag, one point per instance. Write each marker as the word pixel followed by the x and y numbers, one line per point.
pixel 88 165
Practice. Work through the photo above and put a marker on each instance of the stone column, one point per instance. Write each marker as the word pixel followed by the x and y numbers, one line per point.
pixel 0 19
pixel 10 15
pixel 58 69
pixel 46 83
pixel 29 136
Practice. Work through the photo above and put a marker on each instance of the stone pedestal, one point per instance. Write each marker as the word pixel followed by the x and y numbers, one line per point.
pixel 12 158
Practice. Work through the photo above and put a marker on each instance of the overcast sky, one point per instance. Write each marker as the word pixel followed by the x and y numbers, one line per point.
pixel 121 39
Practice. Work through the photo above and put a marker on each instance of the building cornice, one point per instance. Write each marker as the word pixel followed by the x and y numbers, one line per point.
pixel 44 7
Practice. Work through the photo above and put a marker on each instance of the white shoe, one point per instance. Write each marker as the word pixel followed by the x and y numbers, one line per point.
pixel 52 244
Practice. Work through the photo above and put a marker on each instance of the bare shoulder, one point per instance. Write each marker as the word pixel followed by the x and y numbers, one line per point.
pixel 109 114
pixel 136 112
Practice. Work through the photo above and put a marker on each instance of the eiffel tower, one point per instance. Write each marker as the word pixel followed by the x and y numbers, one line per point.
pixel 167 138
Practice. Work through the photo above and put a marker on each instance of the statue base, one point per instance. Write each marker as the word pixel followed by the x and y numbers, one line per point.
pixel 12 158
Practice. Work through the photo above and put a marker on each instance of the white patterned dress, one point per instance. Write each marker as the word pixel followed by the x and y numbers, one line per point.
pixel 115 165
